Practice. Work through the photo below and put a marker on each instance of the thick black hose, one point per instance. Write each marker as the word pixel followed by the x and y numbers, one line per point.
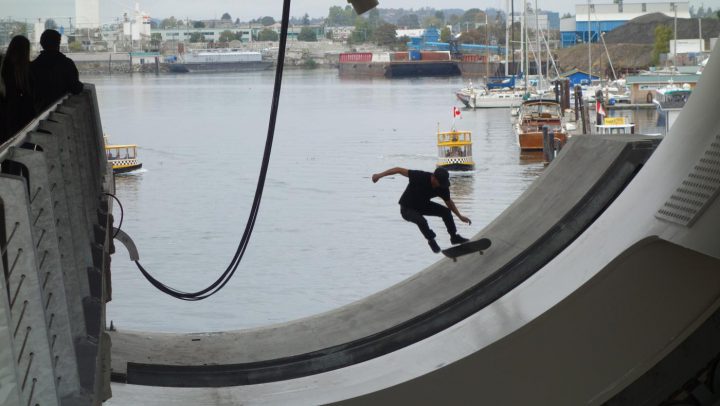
pixel 242 246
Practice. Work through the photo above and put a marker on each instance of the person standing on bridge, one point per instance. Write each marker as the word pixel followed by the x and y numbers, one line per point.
pixel 415 202
pixel 16 88
pixel 55 73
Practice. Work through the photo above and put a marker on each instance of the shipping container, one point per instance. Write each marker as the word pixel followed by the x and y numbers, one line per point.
pixel 356 57
pixel 381 57
pixel 471 58
pixel 400 56
pixel 435 55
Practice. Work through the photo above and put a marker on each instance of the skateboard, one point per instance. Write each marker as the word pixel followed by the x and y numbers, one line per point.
pixel 467 248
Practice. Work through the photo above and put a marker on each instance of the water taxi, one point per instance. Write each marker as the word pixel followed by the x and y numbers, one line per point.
pixel 123 158
pixel 455 150
pixel 614 125
pixel 535 114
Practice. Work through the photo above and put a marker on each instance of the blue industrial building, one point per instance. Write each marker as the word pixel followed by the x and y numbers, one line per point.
pixel 578 77
pixel 587 25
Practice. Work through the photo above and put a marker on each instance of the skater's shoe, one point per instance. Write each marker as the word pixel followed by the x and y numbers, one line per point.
pixel 434 246
pixel 458 239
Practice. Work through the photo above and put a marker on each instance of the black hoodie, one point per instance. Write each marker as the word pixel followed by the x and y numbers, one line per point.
pixel 55 75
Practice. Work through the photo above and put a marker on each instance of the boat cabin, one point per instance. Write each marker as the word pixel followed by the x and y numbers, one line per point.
pixel 123 158
pixel 455 150
pixel 614 125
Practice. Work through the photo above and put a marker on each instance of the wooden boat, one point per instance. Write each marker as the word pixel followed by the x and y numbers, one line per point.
pixel 455 150
pixel 532 117
pixel 123 158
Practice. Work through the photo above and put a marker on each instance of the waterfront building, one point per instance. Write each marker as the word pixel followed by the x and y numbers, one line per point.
pixel 579 77
pixel 589 23
pixel 643 87
pixel 245 33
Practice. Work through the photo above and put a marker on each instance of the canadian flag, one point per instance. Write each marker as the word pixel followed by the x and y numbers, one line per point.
pixel 599 108
pixel 456 112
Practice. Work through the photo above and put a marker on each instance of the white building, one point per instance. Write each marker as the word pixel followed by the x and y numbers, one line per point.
pixel 137 26
pixel 87 14
pixel 687 46
pixel 592 19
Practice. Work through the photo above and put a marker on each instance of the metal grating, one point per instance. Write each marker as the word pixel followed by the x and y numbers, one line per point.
pixel 697 191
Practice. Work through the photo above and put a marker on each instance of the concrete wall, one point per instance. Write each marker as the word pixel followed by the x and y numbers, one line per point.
pixel 54 236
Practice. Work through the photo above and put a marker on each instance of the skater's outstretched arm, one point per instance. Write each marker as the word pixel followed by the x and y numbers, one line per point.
pixel 392 171
pixel 451 205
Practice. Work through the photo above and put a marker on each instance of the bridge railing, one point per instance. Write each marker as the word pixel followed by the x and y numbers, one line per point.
pixel 55 244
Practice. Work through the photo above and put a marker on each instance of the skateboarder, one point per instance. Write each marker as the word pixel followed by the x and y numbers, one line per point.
pixel 415 202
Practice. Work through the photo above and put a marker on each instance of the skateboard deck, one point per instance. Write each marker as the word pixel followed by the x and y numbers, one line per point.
pixel 467 248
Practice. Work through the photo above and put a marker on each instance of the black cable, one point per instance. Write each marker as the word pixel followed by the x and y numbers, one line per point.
pixel 122 213
pixel 242 246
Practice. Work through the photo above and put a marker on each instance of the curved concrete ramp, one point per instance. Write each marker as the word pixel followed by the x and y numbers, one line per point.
pixel 569 196
pixel 583 292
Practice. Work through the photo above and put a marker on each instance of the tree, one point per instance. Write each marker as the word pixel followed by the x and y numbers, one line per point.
pixel 307 34
pixel 168 23
pixel 472 16
pixel 75 46
pixel 409 21
pixel 567 15
pixel 385 35
pixel 226 36
pixel 267 20
pixel 306 19
pixel 362 32
pixel 663 33
pixel 340 17
pixel 197 37
pixel 472 37
pixel 50 24
pixel 440 16
pixel 329 34
pixel 267 35
pixel 198 24
pixel 155 40
pixel 445 35
pixel 374 18
pixel 432 21
pixel 226 17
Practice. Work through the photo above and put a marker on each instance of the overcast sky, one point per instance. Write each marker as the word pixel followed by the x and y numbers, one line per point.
pixel 248 9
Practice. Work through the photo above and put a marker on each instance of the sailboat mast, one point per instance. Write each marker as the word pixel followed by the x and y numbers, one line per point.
pixel 589 45
pixel 508 24
pixel 512 33
pixel 538 62
pixel 522 43
pixel 526 47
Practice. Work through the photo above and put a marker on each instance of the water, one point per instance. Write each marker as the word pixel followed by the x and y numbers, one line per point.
pixel 326 235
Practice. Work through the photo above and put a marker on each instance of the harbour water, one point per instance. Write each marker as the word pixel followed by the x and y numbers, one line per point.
pixel 326 235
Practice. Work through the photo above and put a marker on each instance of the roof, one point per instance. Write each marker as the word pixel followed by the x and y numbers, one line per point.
pixel 637 79
pixel 576 70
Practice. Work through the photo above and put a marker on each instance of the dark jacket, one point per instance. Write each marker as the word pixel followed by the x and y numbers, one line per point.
pixel 17 106
pixel 55 76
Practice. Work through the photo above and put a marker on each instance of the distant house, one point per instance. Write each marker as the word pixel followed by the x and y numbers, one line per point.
pixel 642 87
pixel 578 77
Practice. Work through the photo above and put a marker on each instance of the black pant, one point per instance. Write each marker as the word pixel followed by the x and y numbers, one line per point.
pixel 415 215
